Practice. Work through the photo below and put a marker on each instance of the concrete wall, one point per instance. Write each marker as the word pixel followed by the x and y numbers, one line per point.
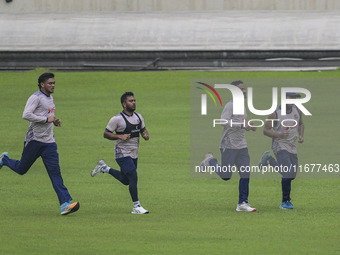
pixel 169 25
pixel 20 6
pixel 163 31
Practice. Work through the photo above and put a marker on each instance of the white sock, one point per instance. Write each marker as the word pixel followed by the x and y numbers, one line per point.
pixel 136 204
pixel 106 169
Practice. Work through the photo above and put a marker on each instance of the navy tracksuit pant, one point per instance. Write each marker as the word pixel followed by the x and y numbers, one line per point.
pixel 127 175
pixel 290 162
pixel 48 153
pixel 240 158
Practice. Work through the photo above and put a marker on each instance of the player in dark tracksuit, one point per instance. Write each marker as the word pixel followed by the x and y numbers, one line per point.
pixel 40 141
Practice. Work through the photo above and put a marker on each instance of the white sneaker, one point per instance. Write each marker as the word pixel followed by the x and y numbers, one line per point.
pixel 245 207
pixel 206 159
pixel 99 169
pixel 139 210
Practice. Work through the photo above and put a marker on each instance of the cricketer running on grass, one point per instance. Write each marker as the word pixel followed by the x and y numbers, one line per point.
pixel 125 129
pixel 234 151
pixel 284 145
pixel 40 141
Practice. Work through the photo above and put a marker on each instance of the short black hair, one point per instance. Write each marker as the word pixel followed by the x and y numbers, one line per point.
pixel 236 83
pixel 125 96
pixel 44 77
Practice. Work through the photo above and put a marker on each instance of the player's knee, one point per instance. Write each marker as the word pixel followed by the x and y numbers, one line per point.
pixel 22 170
pixel 132 176
pixel 292 176
pixel 126 182
pixel 289 175
pixel 245 175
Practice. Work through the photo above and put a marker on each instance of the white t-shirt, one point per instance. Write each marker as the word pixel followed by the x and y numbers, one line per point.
pixel 289 143
pixel 38 108
pixel 233 136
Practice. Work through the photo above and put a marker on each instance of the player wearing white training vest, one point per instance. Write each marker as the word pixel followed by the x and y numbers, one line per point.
pixel 119 123
pixel 125 129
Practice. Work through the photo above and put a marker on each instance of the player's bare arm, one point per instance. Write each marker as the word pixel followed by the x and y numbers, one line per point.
pixel 111 136
pixel 301 129
pixel 145 134
pixel 268 128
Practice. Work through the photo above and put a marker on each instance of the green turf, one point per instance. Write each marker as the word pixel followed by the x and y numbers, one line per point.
pixel 187 215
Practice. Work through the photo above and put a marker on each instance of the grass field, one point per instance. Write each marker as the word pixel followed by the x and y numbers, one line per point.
pixel 187 215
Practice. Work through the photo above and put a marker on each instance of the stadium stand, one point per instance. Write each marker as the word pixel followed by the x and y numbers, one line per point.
pixel 167 39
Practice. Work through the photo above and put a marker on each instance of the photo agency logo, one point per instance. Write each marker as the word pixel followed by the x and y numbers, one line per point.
pixel 289 96
pixel 204 97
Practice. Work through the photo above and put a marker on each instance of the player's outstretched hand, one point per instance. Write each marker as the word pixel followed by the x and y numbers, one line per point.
pixel 145 135
pixel 57 123
pixel 248 128
pixel 252 128
pixel 300 139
